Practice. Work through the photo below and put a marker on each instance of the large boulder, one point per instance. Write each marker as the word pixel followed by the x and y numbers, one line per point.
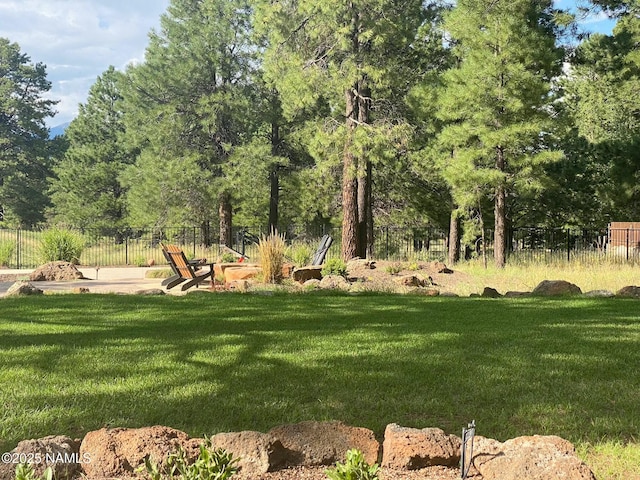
pixel 489 292
pixel 56 271
pixel 411 448
pixel 324 443
pixel 233 274
pixel 22 288
pixel 534 458
pixel 439 267
pixel 550 288
pixel 58 452
pixel 118 452
pixel 630 291
pixel 257 452
pixel 303 274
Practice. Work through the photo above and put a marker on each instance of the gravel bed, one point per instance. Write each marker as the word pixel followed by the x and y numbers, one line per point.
pixel 317 473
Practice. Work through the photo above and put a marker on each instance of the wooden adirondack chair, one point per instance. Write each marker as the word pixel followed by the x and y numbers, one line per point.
pixel 183 269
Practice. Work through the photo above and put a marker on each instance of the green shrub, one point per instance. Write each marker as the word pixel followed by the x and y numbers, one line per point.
pixel 58 244
pixel 393 268
pixel 140 261
pixel 228 257
pixel 6 252
pixel 300 254
pixel 210 465
pixel 24 471
pixel 271 250
pixel 355 468
pixel 334 266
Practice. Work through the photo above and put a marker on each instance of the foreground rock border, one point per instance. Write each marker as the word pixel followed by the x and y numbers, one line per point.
pixel 118 452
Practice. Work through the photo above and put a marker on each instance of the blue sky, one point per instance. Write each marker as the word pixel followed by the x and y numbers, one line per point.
pixel 79 39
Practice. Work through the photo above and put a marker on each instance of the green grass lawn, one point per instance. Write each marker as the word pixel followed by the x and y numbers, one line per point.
pixel 210 363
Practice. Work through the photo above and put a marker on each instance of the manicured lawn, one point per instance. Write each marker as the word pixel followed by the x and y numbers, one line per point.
pixel 209 363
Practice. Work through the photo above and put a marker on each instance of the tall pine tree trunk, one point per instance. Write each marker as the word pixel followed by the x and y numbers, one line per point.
pixel 365 217
pixel 499 240
pixel 225 212
pixel 350 183
pixel 454 237
pixel 274 180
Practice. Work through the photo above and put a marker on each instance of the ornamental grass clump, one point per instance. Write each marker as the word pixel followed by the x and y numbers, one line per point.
pixel 271 250
pixel 61 245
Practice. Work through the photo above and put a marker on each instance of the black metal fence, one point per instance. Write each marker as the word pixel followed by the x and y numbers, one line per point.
pixel 20 248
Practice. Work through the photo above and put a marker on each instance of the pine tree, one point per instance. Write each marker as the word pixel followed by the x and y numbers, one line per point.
pixel 348 56
pixel 87 191
pixel 187 106
pixel 25 152
pixel 494 103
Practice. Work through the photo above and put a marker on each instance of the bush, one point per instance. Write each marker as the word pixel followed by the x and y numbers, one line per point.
pixel 24 471
pixel 334 266
pixel 61 245
pixel 210 465
pixel 228 257
pixel 393 268
pixel 355 468
pixel 300 254
pixel 6 252
pixel 271 249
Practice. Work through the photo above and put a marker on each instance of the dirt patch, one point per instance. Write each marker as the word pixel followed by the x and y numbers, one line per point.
pixel 383 276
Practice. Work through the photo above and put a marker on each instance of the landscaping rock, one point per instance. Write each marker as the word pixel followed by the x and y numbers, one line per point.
pixel 629 292
pixel 533 458
pixel 412 448
pixel 287 270
pixel 258 453
pixel 517 294
pixel 56 271
pixel 150 292
pixel 22 288
pixel 600 294
pixel 440 267
pixel 312 283
pixel 117 452
pixel 58 452
pixel 334 282
pixel 489 292
pixel 80 290
pixel 303 274
pixel 238 285
pixel 549 288
pixel 413 281
pixel 241 273
pixel 360 264
pixel 324 443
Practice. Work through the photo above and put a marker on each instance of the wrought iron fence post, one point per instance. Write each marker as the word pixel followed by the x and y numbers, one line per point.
pixel 194 242
pixel 568 245
pixel 386 248
pixel 126 250
pixel 627 244
pixel 18 248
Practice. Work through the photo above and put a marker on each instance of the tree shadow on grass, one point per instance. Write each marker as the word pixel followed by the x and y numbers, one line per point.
pixel 206 364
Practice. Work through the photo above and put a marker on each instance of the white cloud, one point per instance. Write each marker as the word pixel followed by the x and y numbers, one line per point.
pixel 79 39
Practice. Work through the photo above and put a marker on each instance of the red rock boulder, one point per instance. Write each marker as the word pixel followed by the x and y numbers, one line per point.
pixel 412 448
pixel 118 452
pixel 324 443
